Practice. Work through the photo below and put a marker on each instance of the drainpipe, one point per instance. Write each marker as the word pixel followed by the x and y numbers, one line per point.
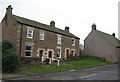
pixel 21 40
pixel 117 53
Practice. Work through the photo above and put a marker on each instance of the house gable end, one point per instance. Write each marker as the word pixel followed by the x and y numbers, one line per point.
pixel 88 35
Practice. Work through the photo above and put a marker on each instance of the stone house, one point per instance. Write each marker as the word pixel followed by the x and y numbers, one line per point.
pixel 102 45
pixel 37 40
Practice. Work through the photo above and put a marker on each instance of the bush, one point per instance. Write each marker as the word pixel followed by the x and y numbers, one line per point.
pixel 10 59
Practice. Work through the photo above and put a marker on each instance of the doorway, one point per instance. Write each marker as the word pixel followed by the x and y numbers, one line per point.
pixel 67 53
pixel 40 55
pixel 50 54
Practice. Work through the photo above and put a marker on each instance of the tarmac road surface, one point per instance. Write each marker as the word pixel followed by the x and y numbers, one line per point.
pixel 108 72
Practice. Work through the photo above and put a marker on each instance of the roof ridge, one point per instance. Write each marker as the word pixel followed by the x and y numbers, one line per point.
pixel 109 35
pixel 106 38
pixel 42 26
pixel 29 19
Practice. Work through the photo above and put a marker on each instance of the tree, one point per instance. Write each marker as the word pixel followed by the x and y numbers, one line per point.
pixel 10 59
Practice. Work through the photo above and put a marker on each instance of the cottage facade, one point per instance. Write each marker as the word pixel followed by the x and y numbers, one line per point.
pixel 36 40
pixel 102 45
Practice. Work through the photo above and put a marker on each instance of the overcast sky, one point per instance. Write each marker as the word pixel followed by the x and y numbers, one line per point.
pixel 79 15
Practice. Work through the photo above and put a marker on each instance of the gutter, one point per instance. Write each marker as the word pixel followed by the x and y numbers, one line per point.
pixel 117 46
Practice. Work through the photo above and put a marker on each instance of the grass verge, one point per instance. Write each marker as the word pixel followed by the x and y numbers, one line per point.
pixel 84 62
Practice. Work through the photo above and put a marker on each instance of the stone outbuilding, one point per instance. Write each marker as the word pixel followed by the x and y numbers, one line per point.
pixel 102 45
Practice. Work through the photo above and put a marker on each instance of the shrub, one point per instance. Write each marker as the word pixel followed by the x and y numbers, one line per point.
pixel 10 59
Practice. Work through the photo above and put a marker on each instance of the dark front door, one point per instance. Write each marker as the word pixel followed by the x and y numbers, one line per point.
pixel 40 54
pixel 50 54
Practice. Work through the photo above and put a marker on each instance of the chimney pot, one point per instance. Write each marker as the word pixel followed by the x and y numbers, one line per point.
pixel 52 24
pixel 9 9
pixel 67 29
pixel 94 27
pixel 113 34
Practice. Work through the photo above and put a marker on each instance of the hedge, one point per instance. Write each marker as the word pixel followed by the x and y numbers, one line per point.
pixel 10 59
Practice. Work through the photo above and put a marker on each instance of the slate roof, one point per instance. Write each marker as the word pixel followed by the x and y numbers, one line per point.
pixel 110 38
pixel 42 26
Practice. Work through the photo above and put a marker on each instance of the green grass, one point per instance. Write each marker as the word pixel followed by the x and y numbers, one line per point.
pixel 84 62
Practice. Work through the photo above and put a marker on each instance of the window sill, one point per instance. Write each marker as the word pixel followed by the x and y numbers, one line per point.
pixel 28 56
pixel 58 43
pixel 73 45
pixel 30 37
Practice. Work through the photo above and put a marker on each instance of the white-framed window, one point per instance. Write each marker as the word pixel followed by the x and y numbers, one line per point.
pixel 59 38
pixel 30 33
pixel 42 35
pixel 73 41
pixel 73 52
pixel 28 51
pixel 58 52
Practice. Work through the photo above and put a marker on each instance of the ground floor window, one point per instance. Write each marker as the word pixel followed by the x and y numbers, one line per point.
pixel 28 51
pixel 58 52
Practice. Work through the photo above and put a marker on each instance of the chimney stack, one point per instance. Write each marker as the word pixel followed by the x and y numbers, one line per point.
pixel 9 10
pixel 113 34
pixel 94 27
pixel 67 29
pixel 52 24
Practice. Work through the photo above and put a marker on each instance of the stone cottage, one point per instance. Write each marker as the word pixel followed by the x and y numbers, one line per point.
pixel 37 40
pixel 102 45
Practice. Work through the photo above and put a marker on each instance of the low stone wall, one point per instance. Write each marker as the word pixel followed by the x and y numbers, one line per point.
pixel 31 61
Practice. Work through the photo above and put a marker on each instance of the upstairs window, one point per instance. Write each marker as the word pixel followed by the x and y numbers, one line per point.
pixel 59 37
pixel 73 42
pixel 28 51
pixel 29 33
pixel 41 35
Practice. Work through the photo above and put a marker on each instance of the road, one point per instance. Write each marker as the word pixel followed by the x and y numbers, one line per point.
pixel 108 72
